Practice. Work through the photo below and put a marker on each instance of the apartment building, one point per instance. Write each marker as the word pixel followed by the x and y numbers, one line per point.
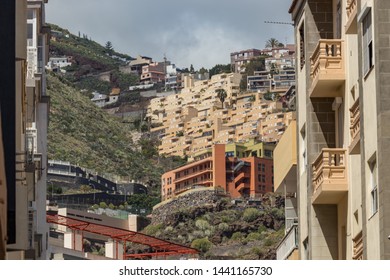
pixel 195 119
pixel 248 176
pixel 285 174
pixel 342 128
pixel 239 59
pixel 153 72
pixel 276 80
pixel 24 105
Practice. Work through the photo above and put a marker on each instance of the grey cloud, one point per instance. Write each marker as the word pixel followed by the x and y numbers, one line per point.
pixel 201 32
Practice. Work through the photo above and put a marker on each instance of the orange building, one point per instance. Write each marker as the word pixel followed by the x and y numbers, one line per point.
pixel 239 177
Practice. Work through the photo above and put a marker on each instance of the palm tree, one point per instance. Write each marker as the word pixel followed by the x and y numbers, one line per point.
pixel 221 94
pixel 272 43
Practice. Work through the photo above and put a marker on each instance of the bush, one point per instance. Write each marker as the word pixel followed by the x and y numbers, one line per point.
pixel 202 244
pixel 261 229
pixel 202 224
pixel 277 213
pixel 237 236
pixel 153 229
pixel 223 226
pixel 103 205
pixel 253 236
pixel 168 229
pixel 251 214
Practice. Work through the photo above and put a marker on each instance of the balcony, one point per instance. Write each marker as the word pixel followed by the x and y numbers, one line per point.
pixel 32 62
pixel 242 186
pixel 285 161
pixel 288 245
pixel 354 147
pixel 351 26
pixel 327 68
pixel 330 182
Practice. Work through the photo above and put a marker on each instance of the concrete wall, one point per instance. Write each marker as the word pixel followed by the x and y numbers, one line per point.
pixel 382 61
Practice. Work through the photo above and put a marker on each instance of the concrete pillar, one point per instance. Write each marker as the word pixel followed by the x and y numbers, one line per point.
pixel 73 240
pixel 114 249
pixel 133 222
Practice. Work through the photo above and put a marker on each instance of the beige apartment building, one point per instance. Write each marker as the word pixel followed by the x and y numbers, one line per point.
pixel 24 105
pixel 343 53
pixel 195 119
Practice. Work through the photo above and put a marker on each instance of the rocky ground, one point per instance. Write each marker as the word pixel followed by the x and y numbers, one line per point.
pixel 221 229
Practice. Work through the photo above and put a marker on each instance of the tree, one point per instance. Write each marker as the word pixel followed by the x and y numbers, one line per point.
pixel 256 64
pixel 192 70
pixel 221 94
pixel 220 68
pixel 273 43
pixel 109 48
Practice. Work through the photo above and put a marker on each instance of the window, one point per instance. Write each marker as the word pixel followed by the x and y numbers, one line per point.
pixel 368 53
pixel 374 186
pixel 302 45
pixel 268 153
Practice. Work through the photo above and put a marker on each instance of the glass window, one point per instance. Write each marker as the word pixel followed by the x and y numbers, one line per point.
pixel 368 54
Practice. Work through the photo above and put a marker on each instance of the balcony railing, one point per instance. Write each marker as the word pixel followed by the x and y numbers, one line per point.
pixel 329 176
pixel 351 7
pixel 327 68
pixel 288 244
pixel 351 25
pixel 355 127
pixel 32 62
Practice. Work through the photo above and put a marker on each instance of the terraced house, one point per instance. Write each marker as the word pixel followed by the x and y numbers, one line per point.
pixel 342 178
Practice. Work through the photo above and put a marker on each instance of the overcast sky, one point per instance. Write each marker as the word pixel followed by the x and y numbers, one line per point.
pixel 198 32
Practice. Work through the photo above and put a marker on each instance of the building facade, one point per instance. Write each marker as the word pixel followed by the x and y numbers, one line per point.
pixel 248 176
pixel 25 106
pixel 342 128
pixel 239 59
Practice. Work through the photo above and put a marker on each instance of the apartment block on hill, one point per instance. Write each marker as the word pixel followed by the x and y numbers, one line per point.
pixel 239 59
pixel 196 118
pixel 238 177
pixel 342 134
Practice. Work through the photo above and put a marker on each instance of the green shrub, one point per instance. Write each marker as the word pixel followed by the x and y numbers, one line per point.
pixel 237 236
pixel 202 244
pixel 202 224
pixel 251 214
pixel 153 229
pixel 168 229
pixel 253 236
pixel 223 226
pixel 268 242
pixel 277 213
pixel 261 229
pixel 103 205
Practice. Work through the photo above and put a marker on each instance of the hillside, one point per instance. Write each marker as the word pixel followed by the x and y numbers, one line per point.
pixel 221 229
pixel 84 134
pixel 90 60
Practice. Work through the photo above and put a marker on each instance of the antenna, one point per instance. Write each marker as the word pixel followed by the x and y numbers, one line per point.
pixel 279 22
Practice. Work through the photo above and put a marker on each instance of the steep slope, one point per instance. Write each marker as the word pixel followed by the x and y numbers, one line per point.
pixel 89 61
pixel 222 230
pixel 84 134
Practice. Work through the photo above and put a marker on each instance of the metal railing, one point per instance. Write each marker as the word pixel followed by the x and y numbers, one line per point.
pixel 288 244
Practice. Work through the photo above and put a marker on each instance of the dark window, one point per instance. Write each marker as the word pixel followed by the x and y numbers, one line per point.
pixel 368 54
